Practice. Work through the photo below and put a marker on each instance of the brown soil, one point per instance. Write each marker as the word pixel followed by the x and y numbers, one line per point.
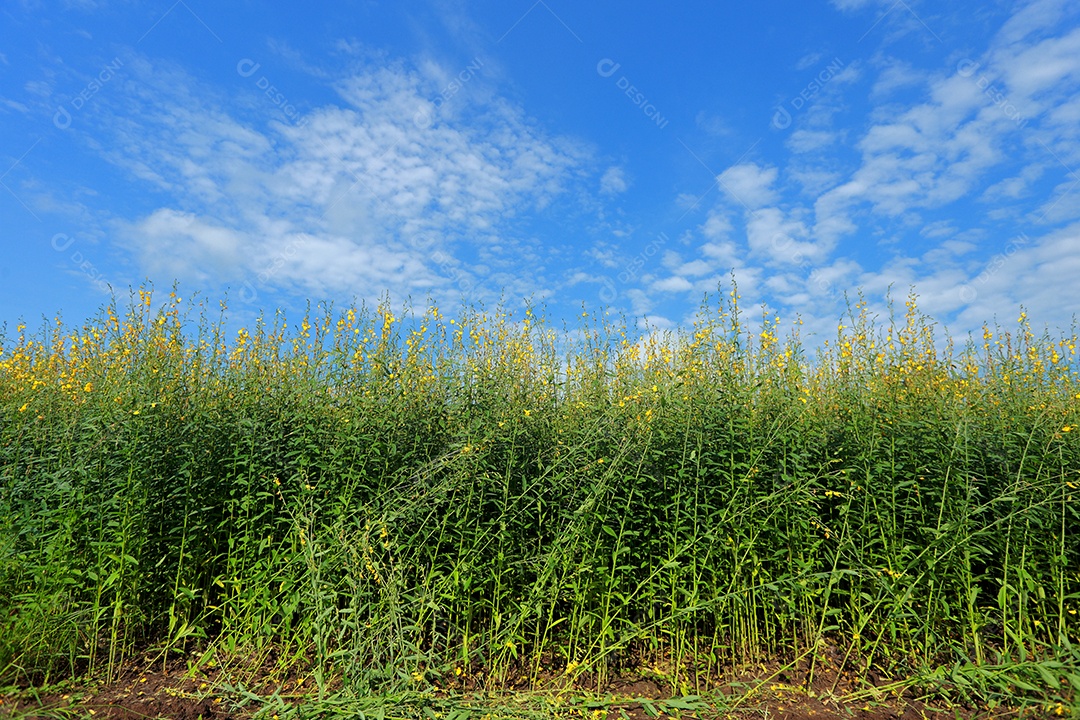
pixel 146 690
pixel 142 691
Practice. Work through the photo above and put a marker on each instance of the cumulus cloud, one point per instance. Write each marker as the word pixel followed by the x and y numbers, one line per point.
pixel 717 225
pixel 782 240
pixel 673 284
pixel 182 243
pixel 387 189
pixel 749 184
pixel 896 75
pixel 613 181
pixel 951 166
pixel 804 141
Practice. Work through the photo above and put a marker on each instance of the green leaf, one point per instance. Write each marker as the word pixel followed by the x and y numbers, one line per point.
pixel 1048 677
pixel 687 702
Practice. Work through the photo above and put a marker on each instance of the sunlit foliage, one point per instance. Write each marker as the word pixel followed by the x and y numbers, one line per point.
pixel 386 496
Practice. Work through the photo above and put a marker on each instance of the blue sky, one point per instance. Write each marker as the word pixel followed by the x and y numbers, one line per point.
pixel 628 155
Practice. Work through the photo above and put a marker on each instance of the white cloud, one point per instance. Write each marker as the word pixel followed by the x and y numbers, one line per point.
pixel 659 324
pixel 1016 187
pixel 749 184
pixel 936 180
pixel 172 242
pixel 930 155
pixel 813 178
pixel 724 255
pixel 713 125
pixel 717 225
pixel 1050 64
pixel 848 5
pixel 39 88
pixel 613 181
pixel 1063 203
pixel 944 173
pixel 605 254
pixel 803 141
pixel 1036 16
pixel 673 284
pixel 833 279
pixel 674 261
pixel 782 240
pixel 938 229
pixel 808 61
pixel 896 75
pixel 391 192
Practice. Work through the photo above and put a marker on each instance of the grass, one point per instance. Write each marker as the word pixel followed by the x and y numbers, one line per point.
pixel 393 503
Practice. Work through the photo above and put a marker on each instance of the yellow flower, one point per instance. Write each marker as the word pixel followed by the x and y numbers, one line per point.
pixel 1067 428
pixel 23 408
pixel 528 413
pixel 88 387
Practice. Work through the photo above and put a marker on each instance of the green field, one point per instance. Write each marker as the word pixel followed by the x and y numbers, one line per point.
pixel 394 501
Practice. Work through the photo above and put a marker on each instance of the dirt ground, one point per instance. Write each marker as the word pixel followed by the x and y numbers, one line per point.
pixel 140 692
pixel 146 690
